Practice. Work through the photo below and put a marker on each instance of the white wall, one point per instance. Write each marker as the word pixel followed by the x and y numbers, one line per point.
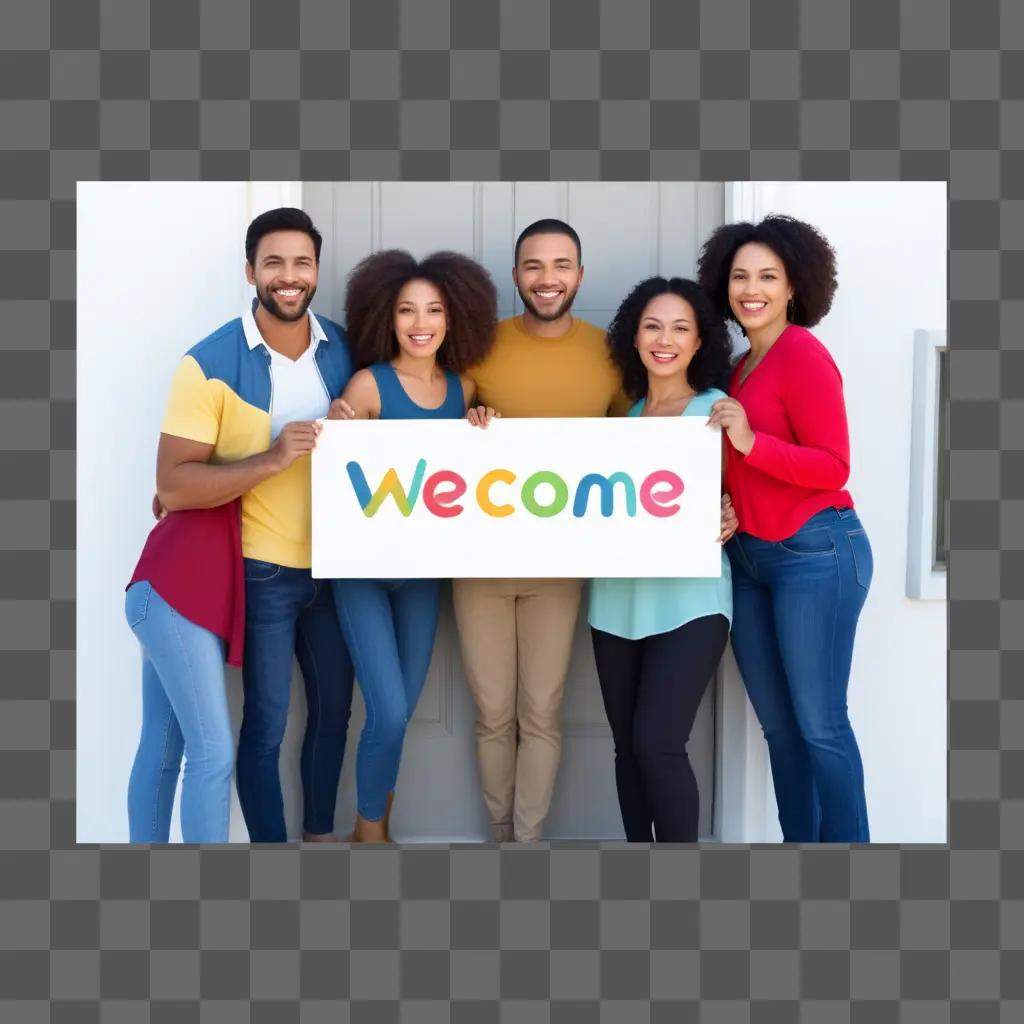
pixel 160 265
pixel 890 241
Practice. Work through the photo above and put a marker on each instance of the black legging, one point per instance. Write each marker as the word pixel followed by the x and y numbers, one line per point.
pixel 651 690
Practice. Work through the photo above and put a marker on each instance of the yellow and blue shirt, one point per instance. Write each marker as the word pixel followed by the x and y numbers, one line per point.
pixel 222 394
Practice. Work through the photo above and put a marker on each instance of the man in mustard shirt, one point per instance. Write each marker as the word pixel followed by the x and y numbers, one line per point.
pixel 516 635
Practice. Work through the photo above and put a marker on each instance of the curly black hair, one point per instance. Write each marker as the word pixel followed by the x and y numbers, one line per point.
pixel 470 305
pixel 809 260
pixel 709 367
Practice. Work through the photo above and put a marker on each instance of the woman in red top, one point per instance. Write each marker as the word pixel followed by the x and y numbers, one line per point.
pixel 801 561
pixel 185 603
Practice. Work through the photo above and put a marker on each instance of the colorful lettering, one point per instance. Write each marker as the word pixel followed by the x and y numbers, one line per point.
pixel 441 502
pixel 389 485
pixel 606 484
pixel 656 503
pixel 658 493
pixel 529 494
pixel 483 492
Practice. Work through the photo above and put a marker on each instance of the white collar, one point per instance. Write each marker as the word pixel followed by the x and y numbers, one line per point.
pixel 252 333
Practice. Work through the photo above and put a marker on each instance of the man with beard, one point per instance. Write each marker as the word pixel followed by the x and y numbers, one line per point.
pixel 242 421
pixel 516 635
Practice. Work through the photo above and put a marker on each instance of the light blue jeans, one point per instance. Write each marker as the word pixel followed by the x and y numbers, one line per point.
pixel 184 710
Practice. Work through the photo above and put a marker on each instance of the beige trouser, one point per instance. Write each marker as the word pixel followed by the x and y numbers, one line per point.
pixel 516 638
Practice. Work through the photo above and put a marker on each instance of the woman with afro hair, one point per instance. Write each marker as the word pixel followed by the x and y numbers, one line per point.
pixel 414 328
pixel 657 641
pixel 801 560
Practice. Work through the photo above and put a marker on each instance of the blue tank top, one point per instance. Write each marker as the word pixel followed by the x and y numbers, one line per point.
pixel 395 404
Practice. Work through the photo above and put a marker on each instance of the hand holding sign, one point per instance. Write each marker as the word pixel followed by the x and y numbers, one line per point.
pixel 295 439
pixel 728 414
pixel 341 410
pixel 730 523
pixel 481 415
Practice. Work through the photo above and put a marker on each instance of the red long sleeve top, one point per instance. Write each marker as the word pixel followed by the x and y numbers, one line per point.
pixel 193 559
pixel 800 461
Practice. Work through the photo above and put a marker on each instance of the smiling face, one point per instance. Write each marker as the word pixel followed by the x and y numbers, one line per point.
pixel 666 336
pixel 420 321
pixel 759 289
pixel 547 275
pixel 285 273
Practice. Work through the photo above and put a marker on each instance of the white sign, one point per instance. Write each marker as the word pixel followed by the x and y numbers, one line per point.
pixel 571 498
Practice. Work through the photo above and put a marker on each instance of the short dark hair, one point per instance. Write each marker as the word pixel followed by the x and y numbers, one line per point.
pixel 284 218
pixel 809 260
pixel 549 226
pixel 709 367
pixel 470 301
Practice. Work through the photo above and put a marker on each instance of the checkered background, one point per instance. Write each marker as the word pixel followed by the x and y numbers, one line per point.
pixel 468 89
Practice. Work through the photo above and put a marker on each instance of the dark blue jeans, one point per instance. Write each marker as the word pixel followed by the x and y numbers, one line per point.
pixel 288 614
pixel 795 609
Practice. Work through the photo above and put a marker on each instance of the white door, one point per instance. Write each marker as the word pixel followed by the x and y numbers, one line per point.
pixel 629 231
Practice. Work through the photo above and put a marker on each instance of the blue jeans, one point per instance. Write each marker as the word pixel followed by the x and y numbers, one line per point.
pixel 184 710
pixel 795 609
pixel 289 614
pixel 389 626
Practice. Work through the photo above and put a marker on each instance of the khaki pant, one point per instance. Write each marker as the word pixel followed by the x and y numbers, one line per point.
pixel 516 638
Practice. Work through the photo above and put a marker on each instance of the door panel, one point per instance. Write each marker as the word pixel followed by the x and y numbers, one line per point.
pixel 629 230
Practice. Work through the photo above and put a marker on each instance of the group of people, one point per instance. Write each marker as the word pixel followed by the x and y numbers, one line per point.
pixel 225 573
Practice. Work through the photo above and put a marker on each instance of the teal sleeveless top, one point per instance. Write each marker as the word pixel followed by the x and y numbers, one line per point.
pixel 395 404
pixel 635 608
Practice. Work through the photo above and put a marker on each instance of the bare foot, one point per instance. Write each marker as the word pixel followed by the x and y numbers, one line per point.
pixel 322 837
pixel 369 831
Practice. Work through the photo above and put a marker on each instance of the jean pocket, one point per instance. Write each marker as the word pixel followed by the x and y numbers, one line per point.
pixel 738 558
pixel 136 602
pixel 810 540
pixel 257 571
pixel 863 559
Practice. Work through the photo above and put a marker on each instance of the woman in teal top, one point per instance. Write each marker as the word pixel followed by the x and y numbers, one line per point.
pixel 657 642
pixel 414 327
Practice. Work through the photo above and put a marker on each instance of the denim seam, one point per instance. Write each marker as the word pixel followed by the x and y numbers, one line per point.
pixel 403 690
pixel 748 565
pixel 371 716
pixel 174 616
pixel 810 554
pixel 167 727
pixel 853 554
pixel 145 605
pixel 163 763
pixel 835 619
pixel 264 579
pixel 319 713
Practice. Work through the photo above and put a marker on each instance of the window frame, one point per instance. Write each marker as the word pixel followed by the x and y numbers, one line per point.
pixel 926 578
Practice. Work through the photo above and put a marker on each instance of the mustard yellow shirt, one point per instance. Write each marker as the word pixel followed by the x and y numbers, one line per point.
pixel 524 375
